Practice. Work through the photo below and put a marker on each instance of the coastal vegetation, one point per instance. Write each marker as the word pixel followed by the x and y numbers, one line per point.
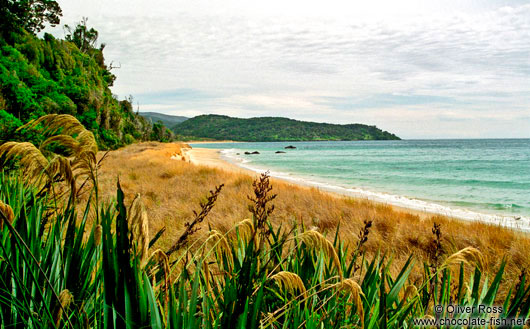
pixel 270 129
pixel 139 237
pixel 73 259
pixel 171 188
pixel 40 76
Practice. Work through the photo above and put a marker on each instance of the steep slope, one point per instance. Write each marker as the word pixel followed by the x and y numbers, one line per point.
pixel 49 75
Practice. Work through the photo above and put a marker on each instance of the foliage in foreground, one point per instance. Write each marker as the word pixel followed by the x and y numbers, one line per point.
pixel 99 269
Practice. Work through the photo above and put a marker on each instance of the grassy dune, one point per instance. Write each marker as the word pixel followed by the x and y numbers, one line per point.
pixel 171 190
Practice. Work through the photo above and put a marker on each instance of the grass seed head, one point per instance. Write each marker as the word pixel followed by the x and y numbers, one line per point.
pixel 290 282
pixel 355 291
pixel 7 213
pixel 410 291
pixel 30 158
pixel 469 256
pixel 246 231
pixel 139 227
pixel 97 235
pixel 317 241
pixel 76 158
pixel 221 244
pixel 65 299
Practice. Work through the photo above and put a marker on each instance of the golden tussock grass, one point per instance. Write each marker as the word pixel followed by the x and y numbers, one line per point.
pixel 172 189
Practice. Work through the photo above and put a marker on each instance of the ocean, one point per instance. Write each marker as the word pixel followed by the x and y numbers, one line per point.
pixel 473 179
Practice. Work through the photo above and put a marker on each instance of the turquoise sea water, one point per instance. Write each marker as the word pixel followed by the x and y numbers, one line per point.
pixel 488 176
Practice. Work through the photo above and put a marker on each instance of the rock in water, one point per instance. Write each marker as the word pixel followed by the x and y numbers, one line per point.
pixel 278 152
pixel 290 147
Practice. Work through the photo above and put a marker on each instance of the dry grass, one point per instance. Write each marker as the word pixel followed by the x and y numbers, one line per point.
pixel 172 189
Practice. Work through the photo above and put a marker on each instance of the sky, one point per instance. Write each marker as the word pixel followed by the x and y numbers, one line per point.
pixel 419 69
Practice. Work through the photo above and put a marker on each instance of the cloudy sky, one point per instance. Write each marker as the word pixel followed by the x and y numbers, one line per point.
pixel 420 69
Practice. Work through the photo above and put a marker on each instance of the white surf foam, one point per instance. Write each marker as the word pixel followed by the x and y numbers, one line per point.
pixel 514 222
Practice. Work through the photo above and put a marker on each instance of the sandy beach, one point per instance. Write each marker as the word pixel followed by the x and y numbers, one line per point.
pixel 173 179
pixel 212 158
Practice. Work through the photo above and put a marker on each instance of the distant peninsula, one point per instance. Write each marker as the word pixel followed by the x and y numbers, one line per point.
pixel 271 129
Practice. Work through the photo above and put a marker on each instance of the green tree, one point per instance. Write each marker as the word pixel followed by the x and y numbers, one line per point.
pixel 30 15
pixel 161 133
pixel 84 38
pixel 8 125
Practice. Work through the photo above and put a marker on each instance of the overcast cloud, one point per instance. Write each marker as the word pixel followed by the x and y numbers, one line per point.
pixel 420 69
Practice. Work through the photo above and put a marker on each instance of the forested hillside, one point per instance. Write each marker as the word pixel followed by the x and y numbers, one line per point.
pixel 267 129
pixel 166 119
pixel 46 75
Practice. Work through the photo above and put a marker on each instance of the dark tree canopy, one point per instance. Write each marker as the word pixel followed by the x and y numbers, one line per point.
pixel 273 129
pixel 30 15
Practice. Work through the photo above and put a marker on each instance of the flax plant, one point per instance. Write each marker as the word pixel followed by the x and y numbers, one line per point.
pixel 99 268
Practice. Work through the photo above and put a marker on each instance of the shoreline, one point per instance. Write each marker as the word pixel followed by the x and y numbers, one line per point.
pixel 214 158
pixel 211 142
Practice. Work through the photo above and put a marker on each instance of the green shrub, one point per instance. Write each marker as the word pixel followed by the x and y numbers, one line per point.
pixel 128 139
pixel 8 125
